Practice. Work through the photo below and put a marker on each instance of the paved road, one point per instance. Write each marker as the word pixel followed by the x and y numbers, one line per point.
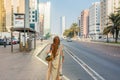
pixel 102 60
pixel 90 61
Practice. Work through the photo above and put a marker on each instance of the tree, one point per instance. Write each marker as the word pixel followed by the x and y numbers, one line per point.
pixel 72 31
pixel 114 25
pixel 107 30
pixel 115 19
pixel 67 33
pixel 47 35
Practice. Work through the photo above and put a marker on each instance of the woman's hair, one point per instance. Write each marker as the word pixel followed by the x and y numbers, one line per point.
pixel 55 45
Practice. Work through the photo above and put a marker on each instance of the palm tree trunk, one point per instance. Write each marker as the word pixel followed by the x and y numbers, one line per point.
pixel 116 38
pixel 74 34
pixel 107 38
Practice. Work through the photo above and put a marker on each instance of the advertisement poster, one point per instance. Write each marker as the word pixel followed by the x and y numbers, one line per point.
pixel 19 20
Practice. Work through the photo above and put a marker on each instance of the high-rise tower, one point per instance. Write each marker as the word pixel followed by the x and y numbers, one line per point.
pixel 84 23
pixel 62 25
pixel 94 20
pixel 2 16
pixel 107 7
pixel 45 17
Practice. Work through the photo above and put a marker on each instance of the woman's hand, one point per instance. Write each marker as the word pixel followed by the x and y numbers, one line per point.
pixel 62 59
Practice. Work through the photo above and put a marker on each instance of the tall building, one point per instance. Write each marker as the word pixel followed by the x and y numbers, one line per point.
pixel 47 18
pixel 79 21
pixel 21 6
pixel 34 15
pixel 14 9
pixel 84 25
pixel 41 17
pixel 62 25
pixel 119 4
pixel 45 12
pixel 41 25
pixel 31 9
pixel 15 4
pixel 107 7
pixel 2 16
pixel 9 11
pixel 94 20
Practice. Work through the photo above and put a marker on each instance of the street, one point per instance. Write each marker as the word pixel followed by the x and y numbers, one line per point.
pixel 90 61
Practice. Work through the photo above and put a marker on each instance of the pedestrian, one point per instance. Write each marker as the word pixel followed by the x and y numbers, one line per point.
pixel 5 42
pixel 41 39
pixel 54 66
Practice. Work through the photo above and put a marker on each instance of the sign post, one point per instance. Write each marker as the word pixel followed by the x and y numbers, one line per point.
pixel 19 22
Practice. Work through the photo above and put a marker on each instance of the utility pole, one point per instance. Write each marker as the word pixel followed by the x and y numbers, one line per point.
pixel 26 19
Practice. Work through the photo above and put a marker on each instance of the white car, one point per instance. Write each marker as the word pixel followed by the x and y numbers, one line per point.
pixel 69 40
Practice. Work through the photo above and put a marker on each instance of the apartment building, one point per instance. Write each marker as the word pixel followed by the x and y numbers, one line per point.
pixel 44 10
pixel 8 9
pixel 2 17
pixel 34 15
pixel 84 25
pixel 21 6
pixel 62 25
pixel 107 7
pixel 94 21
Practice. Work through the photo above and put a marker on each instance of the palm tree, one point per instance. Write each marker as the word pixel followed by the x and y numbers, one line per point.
pixel 66 33
pixel 115 26
pixel 107 30
pixel 74 29
pixel 78 30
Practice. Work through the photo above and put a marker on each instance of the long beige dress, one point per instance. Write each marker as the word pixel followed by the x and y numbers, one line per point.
pixel 54 67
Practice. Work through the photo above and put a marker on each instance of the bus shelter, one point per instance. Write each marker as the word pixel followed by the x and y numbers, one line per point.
pixel 27 38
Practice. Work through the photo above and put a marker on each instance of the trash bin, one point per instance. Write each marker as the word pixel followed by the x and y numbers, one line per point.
pixel 21 46
pixel 29 45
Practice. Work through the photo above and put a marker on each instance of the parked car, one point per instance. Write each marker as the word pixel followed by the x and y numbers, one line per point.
pixel 13 41
pixel 16 40
pixel 69 40
pixel 1 41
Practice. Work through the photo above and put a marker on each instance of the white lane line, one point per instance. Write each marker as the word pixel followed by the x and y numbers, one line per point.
pixel 41 60
pixel 47 64
pixel 89 70
pixel 65 78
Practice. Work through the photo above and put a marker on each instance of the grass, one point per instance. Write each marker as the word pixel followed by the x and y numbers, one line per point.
pixel 113 42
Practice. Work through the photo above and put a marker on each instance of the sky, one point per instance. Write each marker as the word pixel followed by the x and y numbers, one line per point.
pixel 71 9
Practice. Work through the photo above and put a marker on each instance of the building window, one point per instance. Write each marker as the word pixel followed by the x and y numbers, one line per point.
pixel 33 12
pixel 33 20
pixel 33 16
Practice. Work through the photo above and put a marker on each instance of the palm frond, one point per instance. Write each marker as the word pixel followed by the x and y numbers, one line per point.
pixel 107 30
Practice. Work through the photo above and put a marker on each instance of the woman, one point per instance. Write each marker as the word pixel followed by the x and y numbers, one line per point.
pixel 5 41
pixel 54 66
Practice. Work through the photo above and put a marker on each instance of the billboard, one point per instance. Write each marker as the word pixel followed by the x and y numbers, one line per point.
pixel 19 20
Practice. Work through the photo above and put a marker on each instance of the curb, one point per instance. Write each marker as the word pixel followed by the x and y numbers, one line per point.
pixel 109 44
pixel 103 43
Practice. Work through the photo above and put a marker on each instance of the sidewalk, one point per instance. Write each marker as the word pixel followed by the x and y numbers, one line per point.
pixel 21 65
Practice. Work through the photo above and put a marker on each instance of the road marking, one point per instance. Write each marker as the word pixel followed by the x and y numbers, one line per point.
pixel 41 60
pixel 89 70
pixel 47 64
